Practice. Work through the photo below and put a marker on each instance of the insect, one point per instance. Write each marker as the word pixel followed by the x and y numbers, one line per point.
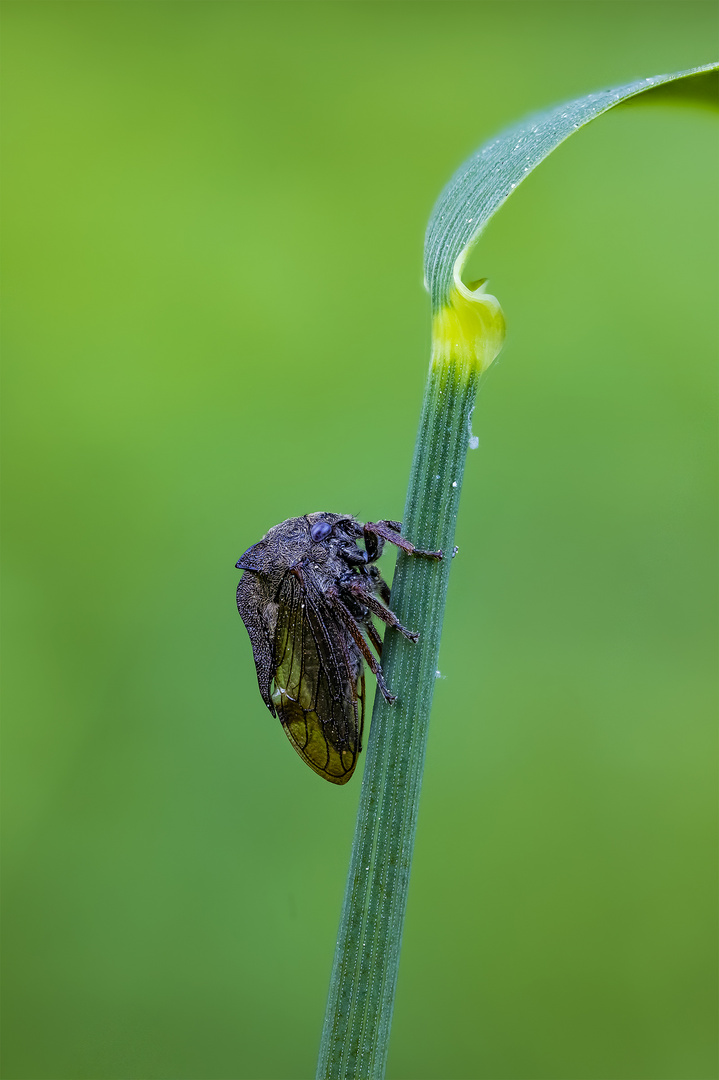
pixel 307 599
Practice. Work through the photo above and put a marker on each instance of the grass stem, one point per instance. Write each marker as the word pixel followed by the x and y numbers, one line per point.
pixel 356 1032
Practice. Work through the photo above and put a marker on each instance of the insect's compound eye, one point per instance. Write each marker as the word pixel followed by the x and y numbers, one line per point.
pixel 320 530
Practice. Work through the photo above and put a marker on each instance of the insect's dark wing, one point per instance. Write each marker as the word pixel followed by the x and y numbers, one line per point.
pixel 318 684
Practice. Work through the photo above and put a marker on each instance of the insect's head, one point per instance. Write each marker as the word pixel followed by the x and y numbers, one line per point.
pixel 324 527
pixel 317 535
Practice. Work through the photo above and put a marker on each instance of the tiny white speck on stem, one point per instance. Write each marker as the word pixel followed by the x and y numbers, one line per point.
pixel 473 439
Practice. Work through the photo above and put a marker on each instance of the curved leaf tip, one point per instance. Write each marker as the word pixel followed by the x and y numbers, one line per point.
pixel 487 179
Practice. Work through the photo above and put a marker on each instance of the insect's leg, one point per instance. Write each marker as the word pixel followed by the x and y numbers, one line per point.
pixel 354 556
pixel 373 545
pixel 350 622
pixel 357 589
pixel 386 530
pixel 375 639
pixel 379 585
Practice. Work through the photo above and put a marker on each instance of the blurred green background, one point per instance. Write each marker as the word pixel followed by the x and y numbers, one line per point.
pixel 214 320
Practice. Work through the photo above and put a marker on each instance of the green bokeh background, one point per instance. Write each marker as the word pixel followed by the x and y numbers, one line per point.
pixel 214 320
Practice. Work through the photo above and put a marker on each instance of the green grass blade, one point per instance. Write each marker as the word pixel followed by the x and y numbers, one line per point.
pixel 468 330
